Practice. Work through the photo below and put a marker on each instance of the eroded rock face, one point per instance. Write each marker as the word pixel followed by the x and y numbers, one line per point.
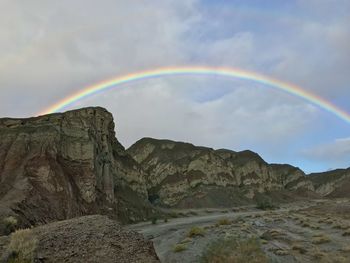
pixel 181 173
pixel 64 165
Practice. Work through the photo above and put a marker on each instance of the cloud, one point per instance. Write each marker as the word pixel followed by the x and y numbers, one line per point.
pixel 49 50
pixel 238 120
pixel 337 151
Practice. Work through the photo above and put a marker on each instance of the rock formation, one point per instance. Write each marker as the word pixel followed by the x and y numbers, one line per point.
pixel 334 183
pixel 70 164
pixel 184 175
pixel 65 165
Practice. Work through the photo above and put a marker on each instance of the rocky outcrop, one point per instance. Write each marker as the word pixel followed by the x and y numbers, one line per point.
pixel 70 164
pixel 334 183
pixel 181 174
pixel 65 165
pixel 84 239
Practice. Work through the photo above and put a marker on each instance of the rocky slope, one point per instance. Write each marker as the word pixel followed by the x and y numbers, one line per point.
pixel 183 175
pixel 334 183
pixel 65 165
pixel 83 239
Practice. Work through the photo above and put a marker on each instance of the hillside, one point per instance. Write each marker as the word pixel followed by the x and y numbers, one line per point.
pixel 334 183
pixel 183 175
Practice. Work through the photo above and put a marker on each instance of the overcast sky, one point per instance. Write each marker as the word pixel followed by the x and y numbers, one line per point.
pixel 50 49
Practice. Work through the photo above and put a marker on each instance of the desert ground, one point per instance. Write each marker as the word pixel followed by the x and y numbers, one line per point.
pixel 308 231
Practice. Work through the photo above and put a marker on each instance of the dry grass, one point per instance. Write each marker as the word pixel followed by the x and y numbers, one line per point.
pixel 8 225
pixel 324 257
pixel 186 240
pixel 227 251
pixel 321 239
pixel 179 247
pixel 300 248
pixel 346 248
pixel 346 233
pixel 271 234
pixel 281 252
pixel 341 225
pixel 196 231
pixel 22 246
pixel 245 226
pixel 224 221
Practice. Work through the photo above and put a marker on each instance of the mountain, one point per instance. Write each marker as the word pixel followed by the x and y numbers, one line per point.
pixel 65 165
pixel 183 175
pixel 332 184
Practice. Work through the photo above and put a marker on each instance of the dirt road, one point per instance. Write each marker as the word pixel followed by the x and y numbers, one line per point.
pixel 293 233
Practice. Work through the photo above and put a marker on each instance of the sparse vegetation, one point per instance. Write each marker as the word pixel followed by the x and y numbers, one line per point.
pixel 346 248
pixel 300 248
pixel 341 226
pixel 224 221
pixel 179 247
pixel 271 234
pixel 154 220
pixel 193 213
pixel 265 204
pixel 232 250
pixel 186 240
pixel 321 239
pixel 9 225
pixel 281 252
pixel 173 215
pixel 346 232
pixel 196 231
pixel 22 246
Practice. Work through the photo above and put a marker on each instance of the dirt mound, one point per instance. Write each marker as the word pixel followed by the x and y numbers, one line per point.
pixel 88 239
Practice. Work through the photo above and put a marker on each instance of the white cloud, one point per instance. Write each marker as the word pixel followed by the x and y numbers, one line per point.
pixel 337 151
pixel 51 49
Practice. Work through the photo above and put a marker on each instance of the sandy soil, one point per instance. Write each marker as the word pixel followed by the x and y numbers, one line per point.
pixel 313 231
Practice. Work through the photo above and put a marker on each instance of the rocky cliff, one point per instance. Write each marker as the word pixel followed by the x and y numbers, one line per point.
pixel 70 164
pixel 183 175
pixel 65 165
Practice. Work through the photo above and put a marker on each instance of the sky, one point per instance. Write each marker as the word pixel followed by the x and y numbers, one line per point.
pixel 51 49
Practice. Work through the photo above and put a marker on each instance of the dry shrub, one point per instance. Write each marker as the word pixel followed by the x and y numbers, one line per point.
pixel 179 247
pixel 8 225
pixel 232 250
pixel 22 246
pixel 196 231
pixel 346 232
pixel 320 239
pixel 300 248
pixel 224 221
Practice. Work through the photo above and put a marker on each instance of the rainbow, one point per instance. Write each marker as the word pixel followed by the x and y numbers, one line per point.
pixel 200 70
